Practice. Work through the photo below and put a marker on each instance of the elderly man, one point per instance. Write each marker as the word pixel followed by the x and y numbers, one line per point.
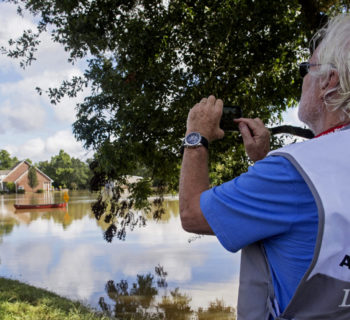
pixel 290 211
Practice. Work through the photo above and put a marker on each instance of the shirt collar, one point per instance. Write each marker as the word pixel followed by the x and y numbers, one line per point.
pixel 331 130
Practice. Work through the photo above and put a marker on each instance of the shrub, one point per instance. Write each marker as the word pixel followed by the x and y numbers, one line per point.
pixel 21 191
pixel 74 186
pixel 11 187
pixel 40 191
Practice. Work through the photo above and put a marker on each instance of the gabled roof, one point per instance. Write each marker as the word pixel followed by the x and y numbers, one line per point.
pixel 15 166
pixel 8 171
pixel 26 173
pixel 24 161
pixel 43 174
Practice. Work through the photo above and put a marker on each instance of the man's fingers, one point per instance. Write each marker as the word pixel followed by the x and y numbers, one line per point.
pixel 259 120
pixel 211 101
pixel 246 134
pixel 204 100
pixel 256 137
pixel 219 103
pixel 255 125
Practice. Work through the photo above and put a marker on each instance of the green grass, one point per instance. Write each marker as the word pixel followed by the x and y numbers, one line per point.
pixel 19 301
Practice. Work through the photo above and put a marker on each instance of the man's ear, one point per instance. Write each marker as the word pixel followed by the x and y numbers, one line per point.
pixel 330 83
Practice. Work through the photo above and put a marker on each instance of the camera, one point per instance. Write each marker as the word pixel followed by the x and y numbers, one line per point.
pixel 230 113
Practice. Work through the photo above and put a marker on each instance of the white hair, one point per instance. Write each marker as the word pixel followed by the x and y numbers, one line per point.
pixel 334 54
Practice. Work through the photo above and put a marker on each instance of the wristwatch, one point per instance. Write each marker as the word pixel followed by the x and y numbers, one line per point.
pixel 194 140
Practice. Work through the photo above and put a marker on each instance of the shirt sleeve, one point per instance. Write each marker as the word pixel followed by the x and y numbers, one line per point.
pixel 258 204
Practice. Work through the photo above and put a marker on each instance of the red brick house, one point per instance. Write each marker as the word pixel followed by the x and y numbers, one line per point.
pixel 19 176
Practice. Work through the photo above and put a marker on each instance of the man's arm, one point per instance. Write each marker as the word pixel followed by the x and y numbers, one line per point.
pixel 194 180
pixel 204 118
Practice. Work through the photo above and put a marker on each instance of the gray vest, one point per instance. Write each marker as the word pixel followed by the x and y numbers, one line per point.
pixel 324 291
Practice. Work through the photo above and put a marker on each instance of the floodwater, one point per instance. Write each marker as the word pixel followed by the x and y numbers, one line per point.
pixel 63 250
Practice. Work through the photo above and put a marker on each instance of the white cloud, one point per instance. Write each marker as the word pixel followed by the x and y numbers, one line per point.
pixel 30 126
pixel 65 110
pixel 21 117
pixel 66 141
pixel 290 117
pixel 49 73
pixel 34 147
pixel 12 26
pixel 41 149
pixel 49 56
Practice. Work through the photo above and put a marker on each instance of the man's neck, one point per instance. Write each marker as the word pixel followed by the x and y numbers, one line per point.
pixel 329 121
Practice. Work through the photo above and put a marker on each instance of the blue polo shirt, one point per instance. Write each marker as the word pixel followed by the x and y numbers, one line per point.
pixel 271 202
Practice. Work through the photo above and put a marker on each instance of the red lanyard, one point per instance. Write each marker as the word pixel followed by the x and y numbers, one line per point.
pixel 337 128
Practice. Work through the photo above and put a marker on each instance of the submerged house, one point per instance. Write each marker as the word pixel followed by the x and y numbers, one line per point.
pixel 19 176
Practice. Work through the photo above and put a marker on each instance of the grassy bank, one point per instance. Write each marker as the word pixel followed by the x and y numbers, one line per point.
pixel 24 302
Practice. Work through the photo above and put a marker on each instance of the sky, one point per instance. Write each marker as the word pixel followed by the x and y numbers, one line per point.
pixel 31 127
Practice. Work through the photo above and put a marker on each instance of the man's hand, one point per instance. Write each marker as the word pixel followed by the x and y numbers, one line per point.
pixel 256 137
pixel 205 117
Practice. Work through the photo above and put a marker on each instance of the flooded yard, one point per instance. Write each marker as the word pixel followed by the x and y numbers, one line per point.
pixel 63 250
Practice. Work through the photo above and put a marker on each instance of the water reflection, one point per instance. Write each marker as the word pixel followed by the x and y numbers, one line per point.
pixel 5 228
pixel 120 209
pixel 76 210
pixel 64 251
pixel 139 301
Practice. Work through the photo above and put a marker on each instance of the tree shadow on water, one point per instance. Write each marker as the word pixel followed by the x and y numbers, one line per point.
pixel 143 301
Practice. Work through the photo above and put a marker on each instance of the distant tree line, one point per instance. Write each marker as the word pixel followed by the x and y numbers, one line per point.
pixel 65 171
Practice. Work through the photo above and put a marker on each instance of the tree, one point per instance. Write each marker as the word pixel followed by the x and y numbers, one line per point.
pixel 67 172
pixel 6 162
pixel 32 177
pixel 81 174
pixel 62 165
pixel 151 61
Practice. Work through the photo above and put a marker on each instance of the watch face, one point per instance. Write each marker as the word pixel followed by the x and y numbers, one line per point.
pixel 193 138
